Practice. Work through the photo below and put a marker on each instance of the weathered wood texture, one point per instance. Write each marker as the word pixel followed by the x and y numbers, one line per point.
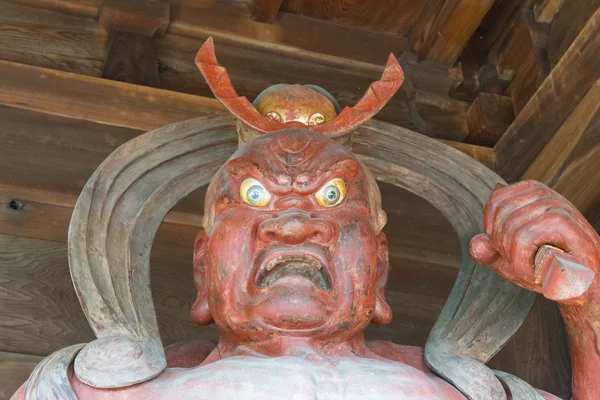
pixel 98 100
pixel 130 58
pixel 394 16
pixel 447 28
pixel 265 10
pixel 541 348
pixel 546 10
pixel 489 116
pixel 46 158
pixel 87 8
pixel 131 106
pixel 79 45
pixel 568 22
pixel 142 17
pixel 570 162
pixel 553 102
pixel 15 368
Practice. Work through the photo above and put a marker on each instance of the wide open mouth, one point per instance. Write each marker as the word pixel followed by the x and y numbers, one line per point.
pixel 301 264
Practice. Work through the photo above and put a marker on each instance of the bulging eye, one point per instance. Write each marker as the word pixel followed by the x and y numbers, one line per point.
pixel 254 193
pixel 332 193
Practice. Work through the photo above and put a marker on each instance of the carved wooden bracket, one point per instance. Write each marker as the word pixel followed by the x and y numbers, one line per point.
pixel 144 17
pixel 132 24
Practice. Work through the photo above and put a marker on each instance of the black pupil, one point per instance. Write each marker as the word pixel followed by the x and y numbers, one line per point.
pixel 332 193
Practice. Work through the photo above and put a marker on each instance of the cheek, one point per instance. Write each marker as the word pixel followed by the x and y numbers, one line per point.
pixel 358 251
pixel 229 255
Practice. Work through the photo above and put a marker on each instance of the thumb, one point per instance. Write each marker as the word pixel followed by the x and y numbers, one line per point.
pixel 482 250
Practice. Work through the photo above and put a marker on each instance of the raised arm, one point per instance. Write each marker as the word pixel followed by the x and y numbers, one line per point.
pixel 538 240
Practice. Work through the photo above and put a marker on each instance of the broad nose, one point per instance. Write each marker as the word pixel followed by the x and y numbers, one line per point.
pixel 295 227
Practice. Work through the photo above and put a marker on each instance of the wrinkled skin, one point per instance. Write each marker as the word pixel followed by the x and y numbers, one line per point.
pixel 301 335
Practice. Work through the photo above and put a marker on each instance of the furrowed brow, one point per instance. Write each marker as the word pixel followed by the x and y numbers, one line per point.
pixel 240 168
pixel 311 181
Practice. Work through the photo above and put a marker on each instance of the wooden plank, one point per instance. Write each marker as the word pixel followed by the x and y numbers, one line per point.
pixel 448 28
pixel 546 111
pixel 568 22
pixel 51 39
pixel 489 116
pixel 15 368
pixel 87 8
pixel 394 16
pixel 41 312
pixel 542 350
pixel 143 108
pixel 570 161
pixel 45 158
pixel 83 51
pixel 265 10
pixel 291 35
pixel 97 100
pixel 547 10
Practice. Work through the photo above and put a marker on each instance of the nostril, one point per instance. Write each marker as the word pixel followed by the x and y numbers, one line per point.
pixel 269 236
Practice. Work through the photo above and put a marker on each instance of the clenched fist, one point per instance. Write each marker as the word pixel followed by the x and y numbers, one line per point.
pixel 538 240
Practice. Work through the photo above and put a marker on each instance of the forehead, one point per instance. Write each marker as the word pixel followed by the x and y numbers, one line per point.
pixel 293 154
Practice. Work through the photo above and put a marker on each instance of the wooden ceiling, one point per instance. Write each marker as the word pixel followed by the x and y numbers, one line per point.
pixel 512 83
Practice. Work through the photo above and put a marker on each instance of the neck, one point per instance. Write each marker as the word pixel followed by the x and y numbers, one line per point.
pixel 285 345
pixel 583 326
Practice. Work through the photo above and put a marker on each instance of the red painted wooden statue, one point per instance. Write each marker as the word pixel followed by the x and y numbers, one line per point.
pixel 292 266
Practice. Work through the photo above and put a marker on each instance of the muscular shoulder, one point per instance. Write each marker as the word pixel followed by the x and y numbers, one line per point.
pixel 409 355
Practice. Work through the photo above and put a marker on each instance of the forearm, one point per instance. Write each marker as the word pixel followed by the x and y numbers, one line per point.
pixel 583 326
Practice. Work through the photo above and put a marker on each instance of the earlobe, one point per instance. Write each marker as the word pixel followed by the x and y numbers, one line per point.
pixel 200 310
pixel 383 312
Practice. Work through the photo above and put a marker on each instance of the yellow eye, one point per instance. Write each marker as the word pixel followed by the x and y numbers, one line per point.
pixel 254 193
pixel 332 193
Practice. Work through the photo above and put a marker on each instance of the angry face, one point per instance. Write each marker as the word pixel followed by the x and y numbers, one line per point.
pixel 292 243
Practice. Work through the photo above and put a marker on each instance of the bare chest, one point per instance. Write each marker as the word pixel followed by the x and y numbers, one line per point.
pixel 299 379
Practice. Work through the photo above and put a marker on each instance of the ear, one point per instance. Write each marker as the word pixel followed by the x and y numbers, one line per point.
pixel 383 312
pixel 200 311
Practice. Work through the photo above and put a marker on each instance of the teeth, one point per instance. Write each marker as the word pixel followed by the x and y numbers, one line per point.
pixel 294 265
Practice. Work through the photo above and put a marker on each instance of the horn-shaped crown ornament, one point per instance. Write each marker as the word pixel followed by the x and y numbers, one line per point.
pixel 295 106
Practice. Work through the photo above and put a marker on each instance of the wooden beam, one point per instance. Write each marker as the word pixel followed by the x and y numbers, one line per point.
pixel 570 161
pixel 547 10
pixel 550 106
pixel 82 50
pixel 265 10
pixel 568 22
pixel 116 103
pixel 397 17
pixel 97 100
pixel 443 33
pixel 86 8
